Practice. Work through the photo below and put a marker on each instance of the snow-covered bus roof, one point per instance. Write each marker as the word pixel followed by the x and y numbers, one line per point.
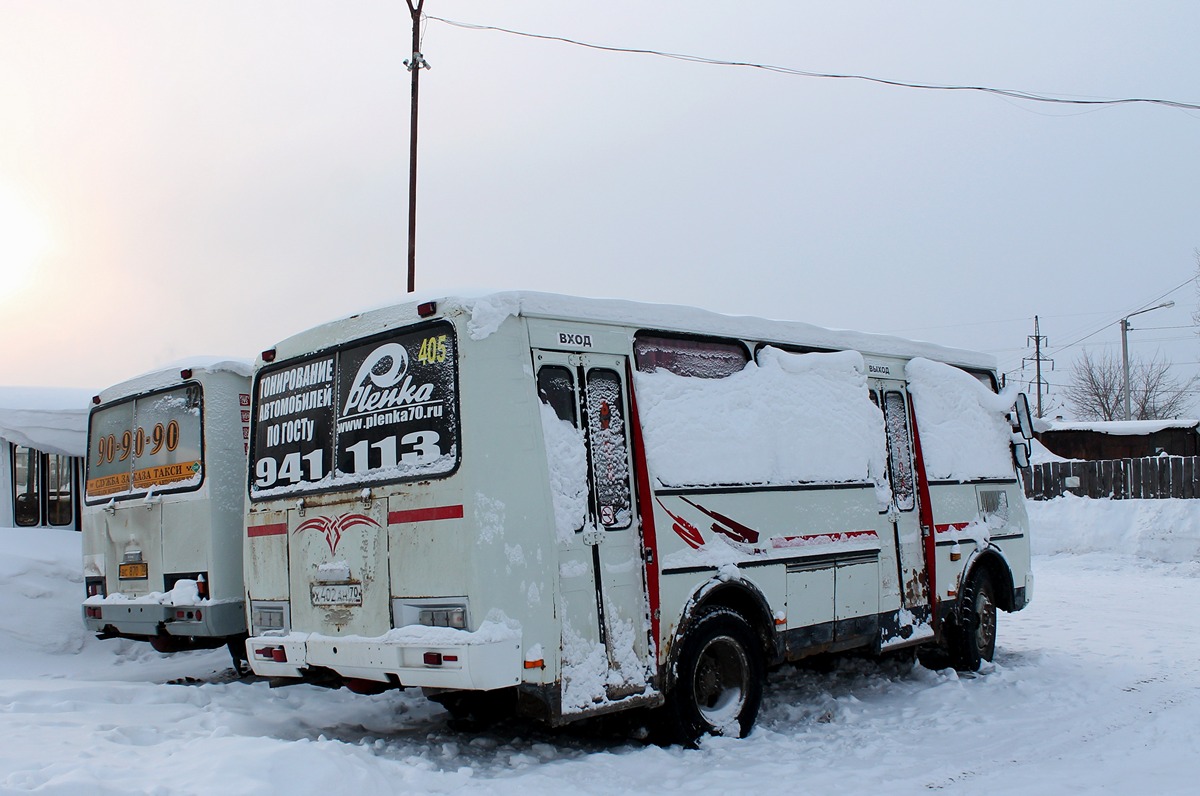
pixel 486 311
pixel 50 419
pixel 169 375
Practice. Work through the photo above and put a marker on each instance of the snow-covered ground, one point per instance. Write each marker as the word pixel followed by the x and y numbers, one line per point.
pixel 1095 688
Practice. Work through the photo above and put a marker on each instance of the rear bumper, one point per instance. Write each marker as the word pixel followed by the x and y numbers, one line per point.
pixel 464 660
pixel 216 620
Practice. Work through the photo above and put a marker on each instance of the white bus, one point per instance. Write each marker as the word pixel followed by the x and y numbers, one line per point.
pixel 164 499
pixel 572 506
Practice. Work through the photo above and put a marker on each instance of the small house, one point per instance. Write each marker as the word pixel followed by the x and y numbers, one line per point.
pixel 1120 439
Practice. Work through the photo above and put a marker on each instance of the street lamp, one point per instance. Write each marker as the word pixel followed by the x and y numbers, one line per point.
pixel 1125 346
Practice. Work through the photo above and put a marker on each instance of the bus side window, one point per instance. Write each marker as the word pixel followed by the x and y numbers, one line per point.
pixel 706 358
pixel 556 389
pixel 899 450
pixel 60 508
pixel 26 478
pixel 610 455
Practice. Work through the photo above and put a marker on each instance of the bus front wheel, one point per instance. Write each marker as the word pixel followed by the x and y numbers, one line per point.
pixel 974 638
pixel 718 681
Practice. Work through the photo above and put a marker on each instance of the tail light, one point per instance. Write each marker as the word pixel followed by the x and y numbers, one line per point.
pixel 276 654
pixel 202 586
pixel 95 587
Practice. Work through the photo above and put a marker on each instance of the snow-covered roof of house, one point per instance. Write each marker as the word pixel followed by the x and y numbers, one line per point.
pixel 1121 428
pixel 487 311
pixel 169 375
pixel 51 419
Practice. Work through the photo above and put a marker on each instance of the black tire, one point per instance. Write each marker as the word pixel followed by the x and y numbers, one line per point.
pixel 474 710
pixel 973 636
pixel 718 683
pixel 237 653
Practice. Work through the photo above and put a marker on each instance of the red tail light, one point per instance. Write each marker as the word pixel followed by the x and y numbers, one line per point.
pixel 433 659
pixel 202 586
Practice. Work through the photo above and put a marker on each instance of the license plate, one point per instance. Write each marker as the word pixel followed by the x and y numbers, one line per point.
pixel 139 571
pixel 337 594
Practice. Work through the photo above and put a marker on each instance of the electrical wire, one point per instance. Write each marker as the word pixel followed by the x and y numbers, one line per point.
pixel 783 70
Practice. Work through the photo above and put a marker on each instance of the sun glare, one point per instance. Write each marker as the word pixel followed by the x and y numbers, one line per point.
pixel 23 240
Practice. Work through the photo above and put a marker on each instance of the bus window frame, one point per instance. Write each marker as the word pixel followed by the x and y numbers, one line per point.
pixel 131 495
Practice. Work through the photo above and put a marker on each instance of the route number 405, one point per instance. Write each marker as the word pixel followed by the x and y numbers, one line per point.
pixel 433 350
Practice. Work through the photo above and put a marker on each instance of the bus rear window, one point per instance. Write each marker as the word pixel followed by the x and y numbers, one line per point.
pixel 149 443
pixel 373 411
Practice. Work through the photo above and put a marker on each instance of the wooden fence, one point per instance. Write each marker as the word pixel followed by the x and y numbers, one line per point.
pixel 1150 477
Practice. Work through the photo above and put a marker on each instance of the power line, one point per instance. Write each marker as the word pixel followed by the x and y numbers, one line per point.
pixel 783 70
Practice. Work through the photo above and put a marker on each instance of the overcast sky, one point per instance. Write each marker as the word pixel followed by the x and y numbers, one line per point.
pixel 207 178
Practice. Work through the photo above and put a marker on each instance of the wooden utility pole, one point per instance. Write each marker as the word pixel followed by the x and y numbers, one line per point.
pixel 415 65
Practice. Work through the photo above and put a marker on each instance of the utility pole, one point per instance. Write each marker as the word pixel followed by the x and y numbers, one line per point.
pixel 1038 339
pixel 1125 346
pixel 415 65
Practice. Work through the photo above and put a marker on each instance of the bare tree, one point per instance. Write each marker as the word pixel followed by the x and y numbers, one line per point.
pixel 1097 389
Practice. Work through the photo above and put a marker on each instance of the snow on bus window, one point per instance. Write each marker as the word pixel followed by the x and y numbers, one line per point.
pixel 707 358
pixel 962 425
pixel 790 418
pixel 556 388
pixel 895 415
pixel 610 455
pixel 566 458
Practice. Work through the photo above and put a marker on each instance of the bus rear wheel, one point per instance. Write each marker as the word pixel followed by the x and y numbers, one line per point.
pixel 718 679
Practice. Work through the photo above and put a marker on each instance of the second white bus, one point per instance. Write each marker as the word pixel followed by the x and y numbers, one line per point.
pixel 163 505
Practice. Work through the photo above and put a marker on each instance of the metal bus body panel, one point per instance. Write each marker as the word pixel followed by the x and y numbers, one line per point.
pixel 973 516
pixel 820 553
pixel 175 533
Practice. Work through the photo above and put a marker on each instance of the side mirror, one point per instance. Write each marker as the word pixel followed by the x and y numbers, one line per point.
pixel 1024 421
pixel 1021 454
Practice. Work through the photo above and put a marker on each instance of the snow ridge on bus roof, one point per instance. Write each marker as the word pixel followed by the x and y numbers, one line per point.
pixel 168 374
pixel 51 419
pixel 488 310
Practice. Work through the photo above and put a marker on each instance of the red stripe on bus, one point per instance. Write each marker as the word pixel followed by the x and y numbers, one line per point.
pixel 835 536
pixel 646 511
pixel 925 513
pixel 425 515
pixel 951 526
pixel 275 529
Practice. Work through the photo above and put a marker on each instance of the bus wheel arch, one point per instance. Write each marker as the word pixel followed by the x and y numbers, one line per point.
pixel 998 570
pixel 737 595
